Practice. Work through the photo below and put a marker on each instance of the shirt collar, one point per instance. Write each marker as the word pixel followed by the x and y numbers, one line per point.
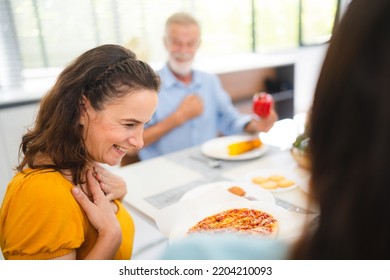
pixel 170 79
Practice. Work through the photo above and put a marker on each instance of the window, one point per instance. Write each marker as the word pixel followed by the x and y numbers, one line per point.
pixel 317 19
pixel 49 33
pixel 227 32
pixel 276 24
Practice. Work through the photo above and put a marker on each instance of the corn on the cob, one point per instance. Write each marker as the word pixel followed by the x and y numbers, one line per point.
pixel 242 147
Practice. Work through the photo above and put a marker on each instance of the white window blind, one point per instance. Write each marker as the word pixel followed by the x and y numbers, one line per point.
pixel 10 59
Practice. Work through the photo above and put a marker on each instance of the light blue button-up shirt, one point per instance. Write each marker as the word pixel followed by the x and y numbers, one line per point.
pixel 219 115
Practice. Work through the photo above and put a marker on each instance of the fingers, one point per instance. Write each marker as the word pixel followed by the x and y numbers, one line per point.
pixel 107 191
pixel 110 196
pixel 100 174
pixel 81 198
pixel 113 186
pixel 94 186
pixel 105 188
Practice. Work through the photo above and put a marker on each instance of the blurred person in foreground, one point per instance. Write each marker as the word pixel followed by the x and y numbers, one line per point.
pixel 94 113
pixel 349 132
pixel 193 107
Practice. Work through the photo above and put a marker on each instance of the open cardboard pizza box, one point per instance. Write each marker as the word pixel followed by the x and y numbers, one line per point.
pixel 175 220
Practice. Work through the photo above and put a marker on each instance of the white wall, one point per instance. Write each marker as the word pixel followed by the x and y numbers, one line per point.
pixel 13 124
pixel 307 68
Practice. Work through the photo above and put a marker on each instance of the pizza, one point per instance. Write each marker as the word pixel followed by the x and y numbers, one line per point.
pixel 240 220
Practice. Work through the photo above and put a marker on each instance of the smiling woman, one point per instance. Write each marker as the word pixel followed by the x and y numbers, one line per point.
pixel 95 112
pixel 115 125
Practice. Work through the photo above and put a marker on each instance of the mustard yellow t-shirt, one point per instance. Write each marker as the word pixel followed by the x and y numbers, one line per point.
pixel 40 219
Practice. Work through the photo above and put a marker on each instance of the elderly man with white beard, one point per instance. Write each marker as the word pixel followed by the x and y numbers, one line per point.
pixel 193 107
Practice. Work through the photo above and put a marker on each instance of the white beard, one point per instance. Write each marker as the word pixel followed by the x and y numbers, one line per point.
pixel 181 68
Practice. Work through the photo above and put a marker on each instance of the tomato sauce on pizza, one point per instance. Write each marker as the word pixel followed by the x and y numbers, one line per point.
pixel 242 220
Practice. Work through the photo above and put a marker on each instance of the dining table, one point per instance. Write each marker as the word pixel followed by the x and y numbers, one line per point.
pixel 158 183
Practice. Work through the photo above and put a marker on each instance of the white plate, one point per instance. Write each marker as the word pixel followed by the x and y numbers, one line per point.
pixel 269 172
pixel 251 190
pixel 217 148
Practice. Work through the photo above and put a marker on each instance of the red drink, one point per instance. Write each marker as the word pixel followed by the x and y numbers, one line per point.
pixel 262 104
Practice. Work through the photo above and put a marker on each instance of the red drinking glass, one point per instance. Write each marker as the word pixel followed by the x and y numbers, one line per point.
pixel 262 104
